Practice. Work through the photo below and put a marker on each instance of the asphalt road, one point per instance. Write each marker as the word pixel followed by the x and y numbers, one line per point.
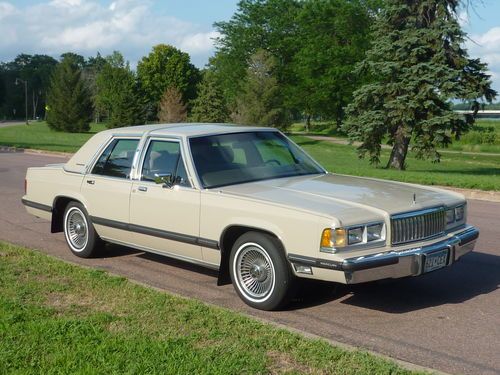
pixel 447 320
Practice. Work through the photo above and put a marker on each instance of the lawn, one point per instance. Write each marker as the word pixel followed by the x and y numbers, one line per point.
pixel 60 318
pixel 459 170
pixel 484 137
pixel 39 136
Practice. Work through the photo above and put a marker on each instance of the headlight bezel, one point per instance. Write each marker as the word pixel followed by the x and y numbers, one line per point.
pixel 339 238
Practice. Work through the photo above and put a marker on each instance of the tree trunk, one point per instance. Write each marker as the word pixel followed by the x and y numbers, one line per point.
pixel 399 149
pixel 308 123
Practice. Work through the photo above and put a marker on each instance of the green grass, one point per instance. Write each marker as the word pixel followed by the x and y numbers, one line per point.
pixel 64 319
pixel 459 170
pixel 38 135
pixel 484 137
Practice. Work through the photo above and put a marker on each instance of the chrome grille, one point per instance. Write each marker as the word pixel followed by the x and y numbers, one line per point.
pixel 418 225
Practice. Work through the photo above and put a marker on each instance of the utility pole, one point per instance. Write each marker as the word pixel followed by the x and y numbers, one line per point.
pixel 25 97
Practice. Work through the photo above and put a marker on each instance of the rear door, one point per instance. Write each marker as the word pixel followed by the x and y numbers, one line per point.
pixel 107 189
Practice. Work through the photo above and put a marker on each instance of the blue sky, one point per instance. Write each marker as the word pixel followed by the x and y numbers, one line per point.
pixel 134 26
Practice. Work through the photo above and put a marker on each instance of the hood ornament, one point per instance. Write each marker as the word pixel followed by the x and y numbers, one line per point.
pixel 414 199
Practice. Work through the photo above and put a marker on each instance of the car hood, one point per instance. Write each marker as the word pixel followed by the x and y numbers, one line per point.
pixel 342 197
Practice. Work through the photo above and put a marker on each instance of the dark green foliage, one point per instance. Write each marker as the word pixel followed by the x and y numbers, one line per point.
pixel 118 94
pixel 36 70
pixel 261 102
pixel 70 107
pixel 165 67
pixel 257 24
pixel 210 105
pixel 417 65
pixel 333 36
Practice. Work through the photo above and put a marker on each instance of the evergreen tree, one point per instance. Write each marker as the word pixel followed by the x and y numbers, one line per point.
pixel 68 100
pixel 210 105
pixel 418 66
pixel 118 94
pixel 261 102
pixel 172 108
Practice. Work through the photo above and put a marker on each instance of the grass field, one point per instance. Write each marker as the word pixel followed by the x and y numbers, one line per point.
pixel 484 137
pixel 465 171
pixel 459 170
pixel 59 318
pixel 38 135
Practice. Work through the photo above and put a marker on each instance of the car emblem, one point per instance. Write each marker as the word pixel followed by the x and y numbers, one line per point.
pixel 414 199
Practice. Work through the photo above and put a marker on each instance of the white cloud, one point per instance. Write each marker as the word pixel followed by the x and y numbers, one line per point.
pixel 87 26
pixel 487 47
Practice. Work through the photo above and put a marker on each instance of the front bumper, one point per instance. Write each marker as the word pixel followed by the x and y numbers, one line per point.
pixel 391 264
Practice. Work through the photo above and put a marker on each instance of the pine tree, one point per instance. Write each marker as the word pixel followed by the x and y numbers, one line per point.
pixel 68 100
pixel 261 102
pixel 172 108
pixel 210 105
pixel 417 65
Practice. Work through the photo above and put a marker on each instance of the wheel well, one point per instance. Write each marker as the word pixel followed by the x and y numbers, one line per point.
pixel 58 208
pixel 227 240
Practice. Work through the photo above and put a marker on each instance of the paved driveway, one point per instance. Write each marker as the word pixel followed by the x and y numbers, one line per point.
pixel 448 320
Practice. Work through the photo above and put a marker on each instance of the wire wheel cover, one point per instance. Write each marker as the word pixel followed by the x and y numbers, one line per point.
pixel 255 271
pixel 76 229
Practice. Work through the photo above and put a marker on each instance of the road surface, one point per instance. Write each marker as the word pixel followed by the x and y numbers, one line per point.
pixel 447 320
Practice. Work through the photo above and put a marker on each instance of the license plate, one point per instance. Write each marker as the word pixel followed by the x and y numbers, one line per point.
pixel 435 260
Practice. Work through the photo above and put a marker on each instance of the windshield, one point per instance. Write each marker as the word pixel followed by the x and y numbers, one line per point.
pixel 228 159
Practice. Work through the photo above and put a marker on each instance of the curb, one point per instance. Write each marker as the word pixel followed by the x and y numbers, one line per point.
pixel 482 195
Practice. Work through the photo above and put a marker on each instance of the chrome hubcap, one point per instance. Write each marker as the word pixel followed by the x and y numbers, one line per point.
pixel 255 271
pixel 76 229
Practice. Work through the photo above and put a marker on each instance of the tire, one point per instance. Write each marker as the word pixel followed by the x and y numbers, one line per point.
pixel 260 272
pixel 81 237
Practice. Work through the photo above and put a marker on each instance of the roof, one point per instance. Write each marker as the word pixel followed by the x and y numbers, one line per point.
pixel 184 129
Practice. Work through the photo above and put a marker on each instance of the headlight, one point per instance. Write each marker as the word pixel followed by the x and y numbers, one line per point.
pixel 455 216
pixel 450 216
pixel 356 235
pixel 374 232
pixel 333 239
pixel 459 213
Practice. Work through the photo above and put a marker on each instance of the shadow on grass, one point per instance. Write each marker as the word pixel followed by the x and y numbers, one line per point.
pixel 474 171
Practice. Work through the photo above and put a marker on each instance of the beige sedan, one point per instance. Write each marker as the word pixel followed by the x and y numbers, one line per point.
pixel 248 202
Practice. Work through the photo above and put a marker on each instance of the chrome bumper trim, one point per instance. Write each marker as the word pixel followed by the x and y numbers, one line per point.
pixel 409 262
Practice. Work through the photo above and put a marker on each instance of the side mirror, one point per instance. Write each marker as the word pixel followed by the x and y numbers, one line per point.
pixel 167 180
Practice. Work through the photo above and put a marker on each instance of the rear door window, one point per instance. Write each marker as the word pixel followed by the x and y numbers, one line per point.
pixel 116 160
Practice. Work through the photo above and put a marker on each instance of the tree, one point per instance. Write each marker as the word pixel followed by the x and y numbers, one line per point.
pixel 210 105
pixel 172 108
pixel 257 24
pixel 261 102
pixel 70 108
pixel 118 94
pixel 332 36
pixel 165 67
pixel 418 66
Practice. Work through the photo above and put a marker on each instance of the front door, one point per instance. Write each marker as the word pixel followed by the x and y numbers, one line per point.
pixel 165 218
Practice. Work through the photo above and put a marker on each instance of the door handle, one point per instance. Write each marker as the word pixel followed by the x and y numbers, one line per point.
pixel 91 182
pixel 142 188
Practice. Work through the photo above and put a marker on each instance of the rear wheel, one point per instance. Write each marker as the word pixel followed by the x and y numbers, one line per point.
pixel 79 232
pixel 259 271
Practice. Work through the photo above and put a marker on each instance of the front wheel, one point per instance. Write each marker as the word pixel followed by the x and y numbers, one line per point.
pixel 259 271
pixel 79 232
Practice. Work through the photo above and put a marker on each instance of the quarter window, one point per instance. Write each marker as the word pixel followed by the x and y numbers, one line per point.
pixel 164 158
pixel 117 158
